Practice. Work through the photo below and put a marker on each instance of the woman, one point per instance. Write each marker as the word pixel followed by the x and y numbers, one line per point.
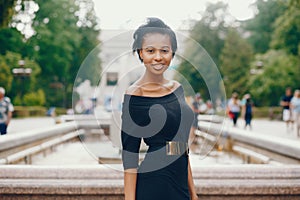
pixel 233 108
pixel 154 109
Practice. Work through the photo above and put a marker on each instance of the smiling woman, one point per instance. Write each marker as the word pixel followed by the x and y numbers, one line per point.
pixel 155 110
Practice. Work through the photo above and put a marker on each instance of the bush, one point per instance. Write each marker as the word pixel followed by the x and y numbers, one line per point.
pixel 34 111
pixel 20 112
pixel 17 101
pixel 60 111
pixel 35 98
pixel 30 111
pixel 267 112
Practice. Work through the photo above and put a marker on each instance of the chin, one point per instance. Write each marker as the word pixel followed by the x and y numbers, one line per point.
pixel 154 71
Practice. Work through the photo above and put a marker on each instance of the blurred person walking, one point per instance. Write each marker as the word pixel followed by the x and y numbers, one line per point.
pixel 247 110
pixel 295 106
pixel 6 109
pixel 233 108
pixel 286 112
pixel 196 110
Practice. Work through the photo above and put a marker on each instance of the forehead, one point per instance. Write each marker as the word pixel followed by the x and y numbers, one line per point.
pixel 156 40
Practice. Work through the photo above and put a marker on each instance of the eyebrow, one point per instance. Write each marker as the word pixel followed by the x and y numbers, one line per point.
pixel 147 47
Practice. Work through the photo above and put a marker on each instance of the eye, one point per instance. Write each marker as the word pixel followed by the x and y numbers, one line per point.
pixel 165 51
pixel 149 50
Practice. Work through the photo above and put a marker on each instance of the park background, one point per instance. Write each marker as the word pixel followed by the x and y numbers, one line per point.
pixel 260 55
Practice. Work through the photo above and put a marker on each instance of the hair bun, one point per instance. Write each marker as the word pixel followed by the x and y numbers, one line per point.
pixel 156 22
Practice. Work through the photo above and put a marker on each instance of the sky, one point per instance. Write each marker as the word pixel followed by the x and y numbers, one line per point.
pixel 129 14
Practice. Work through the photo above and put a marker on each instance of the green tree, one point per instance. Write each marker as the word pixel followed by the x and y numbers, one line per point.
pixel 20 85
pixel 209 33
pixel 88 50
pixel 262 26
pixel 63 38
pixel 279 71
pixel 5 74
pixel 287 32
pixel 235 63
pixel 6 12
pixel 65 33
pixel 11 40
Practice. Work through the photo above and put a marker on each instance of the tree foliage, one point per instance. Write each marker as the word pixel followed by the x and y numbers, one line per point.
pixel 235 62
pixel 262 26
pixel 17 86
pixel 287 32
pixel 5 74
pixel 63 33
pixel 64 38
pixel 6 12
pixel 11 40
pixel 35 98
pixel 280 71
pixel 208 33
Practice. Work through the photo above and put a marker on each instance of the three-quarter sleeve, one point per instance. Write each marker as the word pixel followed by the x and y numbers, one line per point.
pixel 130 150
pixel 130 139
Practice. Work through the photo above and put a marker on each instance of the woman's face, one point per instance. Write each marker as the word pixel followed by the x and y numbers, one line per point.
pixel 156 52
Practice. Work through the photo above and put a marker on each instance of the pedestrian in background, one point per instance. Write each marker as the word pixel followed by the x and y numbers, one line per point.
pixel 233 108
pixel 6 109
pixel 196 109
pixel 295 106
pixel 247 110
pixel 286 111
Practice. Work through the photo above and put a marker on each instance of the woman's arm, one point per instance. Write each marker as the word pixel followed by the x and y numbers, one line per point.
pixel 130 176
pixel 191 185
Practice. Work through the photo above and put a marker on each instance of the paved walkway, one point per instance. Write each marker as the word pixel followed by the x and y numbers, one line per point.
pixel 264 126
pixel 18 125
pixel 272 128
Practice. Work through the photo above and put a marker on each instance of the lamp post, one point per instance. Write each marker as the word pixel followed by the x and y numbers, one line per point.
pixel 22 72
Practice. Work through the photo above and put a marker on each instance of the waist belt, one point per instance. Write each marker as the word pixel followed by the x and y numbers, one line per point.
pixel 176 148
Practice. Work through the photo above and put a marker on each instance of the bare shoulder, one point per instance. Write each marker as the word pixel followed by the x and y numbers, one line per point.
pixel 176 84
pixel 134 90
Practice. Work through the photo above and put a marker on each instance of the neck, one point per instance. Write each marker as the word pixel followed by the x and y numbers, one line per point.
pixel 150 78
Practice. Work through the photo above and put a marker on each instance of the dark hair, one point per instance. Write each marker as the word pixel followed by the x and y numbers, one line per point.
pixel 153 25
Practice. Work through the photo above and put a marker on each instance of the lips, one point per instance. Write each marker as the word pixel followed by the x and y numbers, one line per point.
pixel 158 66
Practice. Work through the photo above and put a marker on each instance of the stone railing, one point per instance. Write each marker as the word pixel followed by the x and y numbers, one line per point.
pixel 101 182
pixel 22 146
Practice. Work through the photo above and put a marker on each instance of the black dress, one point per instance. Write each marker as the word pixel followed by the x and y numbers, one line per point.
pixel 157 120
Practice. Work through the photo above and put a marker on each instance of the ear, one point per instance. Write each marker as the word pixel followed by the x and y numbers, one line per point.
pixel 141 55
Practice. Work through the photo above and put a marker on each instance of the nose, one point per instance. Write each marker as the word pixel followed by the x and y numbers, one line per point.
pixel 158 55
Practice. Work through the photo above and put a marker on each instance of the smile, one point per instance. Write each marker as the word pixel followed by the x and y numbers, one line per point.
pixel 158 66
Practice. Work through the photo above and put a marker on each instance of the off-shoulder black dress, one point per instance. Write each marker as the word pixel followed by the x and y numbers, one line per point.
pixel 157 120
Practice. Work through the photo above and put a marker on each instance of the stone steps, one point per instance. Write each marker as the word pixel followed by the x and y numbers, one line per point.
pixel 102 182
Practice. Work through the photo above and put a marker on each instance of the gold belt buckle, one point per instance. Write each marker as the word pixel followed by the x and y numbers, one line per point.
pixel 176 148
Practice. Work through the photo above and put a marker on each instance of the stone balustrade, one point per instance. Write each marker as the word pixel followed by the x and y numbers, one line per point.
pixel 277 148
